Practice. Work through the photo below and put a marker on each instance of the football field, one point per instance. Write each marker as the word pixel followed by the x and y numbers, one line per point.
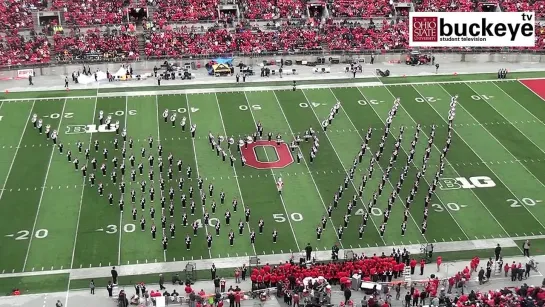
pixel 492 185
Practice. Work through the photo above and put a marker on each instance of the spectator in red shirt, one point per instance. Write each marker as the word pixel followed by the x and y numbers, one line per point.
pixel 413 265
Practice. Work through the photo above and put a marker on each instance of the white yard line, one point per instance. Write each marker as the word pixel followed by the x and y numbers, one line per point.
pixel 493 107
pixel 509 189
pixel 340 160
pixel 43 190
pixel 234 168
pixel 528 111
pixel 424 177
pixel 454 169
pixel 17 149
pixel 274 178
pixel 196 164
pixel 378 164
pixel 308 168
pixel 159 143
pixel 262 88
pixel 120 229
pixel 231 262
pixel 79 210
pixel 526 86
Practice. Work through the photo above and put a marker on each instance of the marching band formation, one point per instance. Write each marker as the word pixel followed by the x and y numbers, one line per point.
pixel 171 178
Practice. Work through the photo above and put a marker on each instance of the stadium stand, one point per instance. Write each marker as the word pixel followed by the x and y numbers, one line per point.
pixel 362 9
pixel 93 12
pixel 116 45
pixel 18 14
pixel 185 11
pixel 175 27
pixel 18 50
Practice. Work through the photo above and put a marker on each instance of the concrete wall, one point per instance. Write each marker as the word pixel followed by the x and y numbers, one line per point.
pixel 443 58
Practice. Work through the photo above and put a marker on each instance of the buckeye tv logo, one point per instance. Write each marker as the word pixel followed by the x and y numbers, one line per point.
pixel 472 29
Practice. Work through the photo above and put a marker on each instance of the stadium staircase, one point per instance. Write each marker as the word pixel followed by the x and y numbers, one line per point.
pixel 141 44
pixel 325 47
pixel 36 20
pixel 407 274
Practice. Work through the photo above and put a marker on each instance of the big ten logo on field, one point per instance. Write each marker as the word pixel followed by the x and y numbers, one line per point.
pixel 75 129
pixel 466 183
pixel 471 29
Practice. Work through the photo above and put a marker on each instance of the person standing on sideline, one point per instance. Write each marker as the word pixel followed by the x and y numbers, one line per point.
pixel 526 248
pixel 114 275
pixel 161 282
pixel 244 271
pixel 497 252
pixel 213 271
pixel 308 251
pixel 347 294
pixel 237 275
pixel 92 286
pixel 217 281
pixel 30 80
pixel 110 288
pixel 439 261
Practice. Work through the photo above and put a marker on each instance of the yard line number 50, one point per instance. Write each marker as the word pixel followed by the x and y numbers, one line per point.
pixel 281 217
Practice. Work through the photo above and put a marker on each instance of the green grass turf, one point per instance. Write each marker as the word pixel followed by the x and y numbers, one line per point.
pixel 34 284
pixel 498 134
pixel 58 282
pixel 391 80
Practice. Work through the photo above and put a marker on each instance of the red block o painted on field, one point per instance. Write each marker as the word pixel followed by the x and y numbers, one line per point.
pixel 282 152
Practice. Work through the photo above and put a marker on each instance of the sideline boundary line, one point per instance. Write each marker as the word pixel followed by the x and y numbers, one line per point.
pixel 260 88
pixel 136 269
pixel 59 125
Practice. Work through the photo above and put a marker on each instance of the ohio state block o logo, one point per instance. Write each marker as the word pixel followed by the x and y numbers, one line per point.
pixel 282 153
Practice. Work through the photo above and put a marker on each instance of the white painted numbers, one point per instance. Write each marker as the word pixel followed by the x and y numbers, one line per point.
pixel 57 115
pixel 481 97
pixel 25 234
pixel 426 99
pixel 254 107
pixel 466 183
pixel 362 102
pixel 374 211
pixel 447 206
pixel 112 229
pixel 525 201
pixel 281 217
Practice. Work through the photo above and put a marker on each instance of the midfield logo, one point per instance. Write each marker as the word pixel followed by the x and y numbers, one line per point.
pixel 472 29
pixel 466 183
pixel 76 129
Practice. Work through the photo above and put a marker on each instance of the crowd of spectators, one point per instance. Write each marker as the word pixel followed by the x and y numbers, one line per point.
pixel 289 33
pixel 93 43
pixel 92 12
pixel 17 14
pixel 268 10
pixel 361 9
pixel 18 50
pixel 389 35
pixel 186 11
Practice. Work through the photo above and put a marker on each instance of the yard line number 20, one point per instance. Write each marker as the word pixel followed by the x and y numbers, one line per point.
pixel 25 234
